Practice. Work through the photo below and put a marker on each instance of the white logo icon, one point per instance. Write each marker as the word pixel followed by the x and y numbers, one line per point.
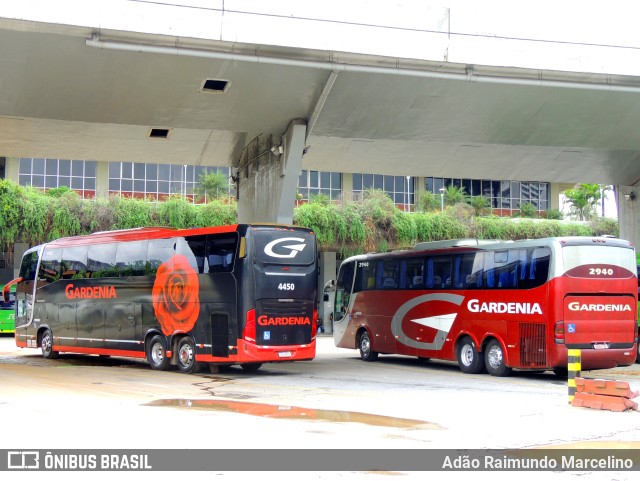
pixel 294 248
pixel 23 460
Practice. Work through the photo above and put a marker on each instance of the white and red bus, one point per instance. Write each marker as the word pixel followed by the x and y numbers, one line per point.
pixel 237 294
pixel 493 305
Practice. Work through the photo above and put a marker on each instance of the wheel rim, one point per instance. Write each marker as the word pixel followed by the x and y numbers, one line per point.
pixel 46 343
pixel 157 353
pixel 467 354
pixel 185 355
pixel 365 345
pixel 494 357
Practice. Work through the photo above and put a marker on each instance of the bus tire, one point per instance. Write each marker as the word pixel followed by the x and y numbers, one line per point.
pixel 46 345
pixel 157 353
pixel 251 366
pixel 186 355
pixel 364 344
pixel 470 360
pixel 494 359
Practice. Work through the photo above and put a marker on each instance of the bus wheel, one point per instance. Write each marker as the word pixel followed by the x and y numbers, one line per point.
pixel 156 353
pixel 46 344
pixel 364 343
pixel 187 355
pixel 469 360
pixel 494 360
pixel 251 366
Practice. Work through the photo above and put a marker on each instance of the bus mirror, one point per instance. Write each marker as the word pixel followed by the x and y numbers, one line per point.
pixel 330 286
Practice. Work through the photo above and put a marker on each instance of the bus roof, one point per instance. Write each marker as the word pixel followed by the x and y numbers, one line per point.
pixel 145 233
pixel 469 245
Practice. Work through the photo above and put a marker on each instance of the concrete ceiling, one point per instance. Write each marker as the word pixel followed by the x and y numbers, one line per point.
pixel 62 98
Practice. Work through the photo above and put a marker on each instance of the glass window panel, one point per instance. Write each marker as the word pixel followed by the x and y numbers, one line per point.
pixel 158 251
pixel 25 166
pixel 447 182
pixel 50 182
pixel 357 182
pixel 313 192
pixel 367 181
pixel 378 182
pixel 326 192
pixel 486 188
pixel 38 166
pixel 335 194
pixel 399 198
pixel 399 184
pixel 64 181
pixel 90 168
pixel 428 184
pixel 313 178
pixel 114 170
pixel 151 186
pixel 302 180
pixel 163 187
pixel 64 167
pixel 466 185
pixel 336 180
pixel 190 173
pixel 51 166
pixel 325 179
pixel 138 185
pixel 176 187
pixel 138 171
pixel 505 189
pixel 164 172
pixel 77 168
pixel 90 183
pixel 37 180
pixel 76 183
pixel 24 180
pixel 476 187
pixel 114 185
pixel 176 173
pixel 456 182
pixel 515 190
pixel 438 184
pixel 199 172
pixel 127 170
pixel 126 185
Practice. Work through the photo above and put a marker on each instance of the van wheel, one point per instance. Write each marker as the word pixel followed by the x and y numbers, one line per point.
pixel 157 353
pixel 187 355
pixel 46 345
pixel 364 344
pixel 494 360
pixel 470 360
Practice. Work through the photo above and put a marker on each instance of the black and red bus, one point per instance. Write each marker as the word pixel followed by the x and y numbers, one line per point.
pixel 238 294
pixel 493 305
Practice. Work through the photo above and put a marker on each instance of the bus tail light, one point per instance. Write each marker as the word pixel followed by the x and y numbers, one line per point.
pixel 314 324
pixel 558 332
pixel 249 332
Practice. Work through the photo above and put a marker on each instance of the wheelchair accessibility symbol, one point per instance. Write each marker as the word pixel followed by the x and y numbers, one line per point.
pixel 571 329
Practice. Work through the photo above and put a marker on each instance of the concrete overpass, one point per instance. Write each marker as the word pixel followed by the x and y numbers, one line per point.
pixel 90 92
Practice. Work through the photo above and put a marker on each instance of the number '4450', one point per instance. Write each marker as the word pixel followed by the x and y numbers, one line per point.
pixel 286 286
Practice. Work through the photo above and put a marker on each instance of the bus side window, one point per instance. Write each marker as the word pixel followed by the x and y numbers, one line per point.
pixel 387 277
pixel 101 260
pixel 131 258
pixel 194 249
pixel 74 262
pixel 413 277
pixel 159 251
pixel 50 265
pixel 221 252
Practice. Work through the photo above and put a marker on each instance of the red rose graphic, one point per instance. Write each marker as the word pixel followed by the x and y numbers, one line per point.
pixel 175 295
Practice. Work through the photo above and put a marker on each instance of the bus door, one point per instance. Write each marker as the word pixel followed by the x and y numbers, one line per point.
pixel 599 322
pixel 344 285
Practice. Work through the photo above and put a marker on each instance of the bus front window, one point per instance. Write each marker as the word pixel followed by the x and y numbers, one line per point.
pixel 344 286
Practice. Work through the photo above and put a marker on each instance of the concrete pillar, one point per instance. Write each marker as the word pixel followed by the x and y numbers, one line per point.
pixel 327 273
pixel 102 179
pixel 268 174
pixel 628 211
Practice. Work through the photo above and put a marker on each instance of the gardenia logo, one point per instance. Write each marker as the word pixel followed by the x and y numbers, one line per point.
pixel 474 305
pixel 576 306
